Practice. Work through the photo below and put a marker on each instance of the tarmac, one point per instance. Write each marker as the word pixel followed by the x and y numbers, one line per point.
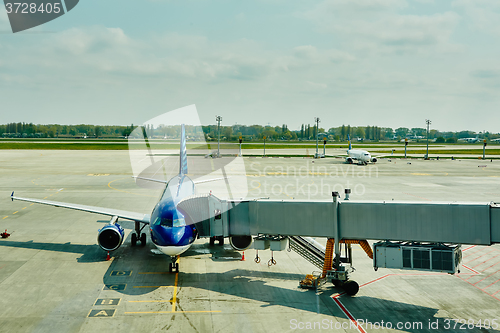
pixel 54 277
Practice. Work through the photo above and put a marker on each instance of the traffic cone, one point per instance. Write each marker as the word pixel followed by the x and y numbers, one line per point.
pixel 108 257
pixel 243 257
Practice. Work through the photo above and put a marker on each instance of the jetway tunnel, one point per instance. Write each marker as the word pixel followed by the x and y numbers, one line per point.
pixel 441 222
pixel 412 235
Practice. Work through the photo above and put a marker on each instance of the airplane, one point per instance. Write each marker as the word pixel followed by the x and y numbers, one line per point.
pixel 470 140
pixel 167 226
pixel 362 157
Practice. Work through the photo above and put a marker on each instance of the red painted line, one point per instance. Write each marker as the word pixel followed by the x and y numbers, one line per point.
pixel 348 314
pixel 470 269
pixel 491 284
pixel 492 295
pixel 380 278
pixel 486 262
pixel 492 265
pixel 470 247
pixel 480 257
pixel 495 293
pixel 485 277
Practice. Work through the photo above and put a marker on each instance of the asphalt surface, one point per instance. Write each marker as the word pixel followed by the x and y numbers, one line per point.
pixel 54 277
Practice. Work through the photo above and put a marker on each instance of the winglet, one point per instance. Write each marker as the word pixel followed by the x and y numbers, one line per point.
pixel 349 139
pixel 12 196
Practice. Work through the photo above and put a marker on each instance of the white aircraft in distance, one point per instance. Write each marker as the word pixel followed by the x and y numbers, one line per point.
pixel 470 140
pixel 169 230
pixel 359 156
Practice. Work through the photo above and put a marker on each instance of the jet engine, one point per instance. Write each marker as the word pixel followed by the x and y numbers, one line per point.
pixel 110 237
pixel 240 243
pixel 374 159
pixel 348 160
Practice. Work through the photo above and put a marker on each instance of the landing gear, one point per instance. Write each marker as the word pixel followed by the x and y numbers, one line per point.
pixel 138 235
pixel 221 240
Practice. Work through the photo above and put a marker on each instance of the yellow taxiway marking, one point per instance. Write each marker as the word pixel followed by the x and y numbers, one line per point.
pixel 153 286
pixel 24 208
pixel 420 174
pixel 175 289
pixel 45 197
pixel 5 217
pixel 15 212
pixel 157 312
pixel 32 204
pixel 162 301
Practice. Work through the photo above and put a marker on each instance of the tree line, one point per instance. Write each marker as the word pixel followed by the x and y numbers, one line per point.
pixel 234 132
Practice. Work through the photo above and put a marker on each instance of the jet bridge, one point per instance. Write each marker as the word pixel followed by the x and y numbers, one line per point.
pixel 442 222
pixel 414 235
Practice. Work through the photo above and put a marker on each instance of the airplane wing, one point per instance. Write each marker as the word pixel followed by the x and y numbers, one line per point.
pixel 123 214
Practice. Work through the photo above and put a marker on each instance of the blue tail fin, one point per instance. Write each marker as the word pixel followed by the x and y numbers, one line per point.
pixel 183 167
pixel 349 139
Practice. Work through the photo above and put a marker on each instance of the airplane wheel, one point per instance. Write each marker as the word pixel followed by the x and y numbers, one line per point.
pixel 212 241
pixel 177 267
pixel 143 239
pixel 351 288
pixel 134 239
pixel 221 240
pixel 170 268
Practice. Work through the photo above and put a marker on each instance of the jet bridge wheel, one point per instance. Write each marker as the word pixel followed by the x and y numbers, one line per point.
pixel 351 287
pixel 143 239
pixel 133 240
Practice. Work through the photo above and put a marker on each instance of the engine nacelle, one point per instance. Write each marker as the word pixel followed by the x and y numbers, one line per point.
pixel 240 243
pixel 110 237
pixel 374 159
pixel 348 160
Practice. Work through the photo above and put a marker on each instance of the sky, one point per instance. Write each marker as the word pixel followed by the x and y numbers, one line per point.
pixel 388 63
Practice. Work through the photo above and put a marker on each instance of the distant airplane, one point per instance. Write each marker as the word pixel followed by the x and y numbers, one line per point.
pixel 168 229
pixel 358 155
pixel 470 140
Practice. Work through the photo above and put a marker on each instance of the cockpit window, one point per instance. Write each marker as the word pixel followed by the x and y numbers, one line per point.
pixel 166 222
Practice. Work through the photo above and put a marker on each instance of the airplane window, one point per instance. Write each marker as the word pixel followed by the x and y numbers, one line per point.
pixel 163 222
pixel 179 223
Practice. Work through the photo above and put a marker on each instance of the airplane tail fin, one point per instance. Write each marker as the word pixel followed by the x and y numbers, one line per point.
pixel 349 140
pixel 183 167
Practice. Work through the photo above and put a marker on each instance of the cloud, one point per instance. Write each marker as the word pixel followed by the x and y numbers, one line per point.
pixel 379 27
pixel 481 15
pixel 486 74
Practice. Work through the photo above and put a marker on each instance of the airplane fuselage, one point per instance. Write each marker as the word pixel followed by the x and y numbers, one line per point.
pixel 361 156
pixel 168 229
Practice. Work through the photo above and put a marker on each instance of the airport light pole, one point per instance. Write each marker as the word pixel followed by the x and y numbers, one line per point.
pixel 316 119
pixel 428 122
pixel 264 145
pixel 484 149
pixel 218 119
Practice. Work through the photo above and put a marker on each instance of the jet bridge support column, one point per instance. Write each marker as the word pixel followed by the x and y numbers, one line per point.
pixel 336 224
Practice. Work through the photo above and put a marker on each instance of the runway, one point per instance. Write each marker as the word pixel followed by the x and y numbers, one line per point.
pixel 54 277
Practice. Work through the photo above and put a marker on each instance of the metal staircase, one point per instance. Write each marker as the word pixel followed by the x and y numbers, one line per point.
pixel 308 248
